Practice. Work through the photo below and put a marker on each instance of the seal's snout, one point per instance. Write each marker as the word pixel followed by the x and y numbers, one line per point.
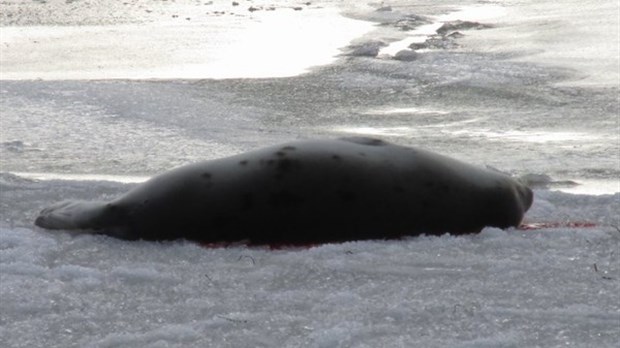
pixel 40 221
pixel 527 197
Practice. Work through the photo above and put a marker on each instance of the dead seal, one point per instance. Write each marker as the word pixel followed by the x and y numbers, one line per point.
pixel 306 192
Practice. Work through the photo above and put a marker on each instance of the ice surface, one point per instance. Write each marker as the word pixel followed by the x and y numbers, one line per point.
pixel 535 94
pixel 562 35
pixel 550 287
pixel 276 43
pixel 473 102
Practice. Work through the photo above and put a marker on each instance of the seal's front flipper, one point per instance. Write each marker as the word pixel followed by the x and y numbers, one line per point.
pixel 72 215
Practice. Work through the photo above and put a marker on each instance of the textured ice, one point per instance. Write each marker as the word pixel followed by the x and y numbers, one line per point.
pixel 276 43
pixel 549 287
pixel 565 36
pixel 494 99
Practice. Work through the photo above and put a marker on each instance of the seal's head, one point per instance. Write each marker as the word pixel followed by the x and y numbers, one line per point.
pixel 526 195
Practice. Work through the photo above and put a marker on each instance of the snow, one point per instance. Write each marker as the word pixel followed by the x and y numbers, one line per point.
pixel 536 96
pixel 560 36
pixel 551 287
pixel 276 43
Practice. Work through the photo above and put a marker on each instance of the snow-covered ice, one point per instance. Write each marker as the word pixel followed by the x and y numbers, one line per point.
pixel 534 94
pixel 216 47
pixel 551 287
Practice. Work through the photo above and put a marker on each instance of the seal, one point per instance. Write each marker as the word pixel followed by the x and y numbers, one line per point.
pixel 306 192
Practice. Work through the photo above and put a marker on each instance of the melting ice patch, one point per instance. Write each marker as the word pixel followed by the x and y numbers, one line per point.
pixel 524 136
pixel 128 179
pixel 565 35
pixel 424 32
pixel 455 129
pixel 408 110
pixel 419 35
pixel 475 13
pixel 376 131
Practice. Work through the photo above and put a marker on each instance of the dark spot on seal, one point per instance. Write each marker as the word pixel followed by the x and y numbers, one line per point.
pixel 243 162
pixel 115 213
pixel 207 176
pixel 267 163
pixel 289 148
pixel 365 141
pixel 363 154
pixel 347 196
pixel 281 154
pixel 336 158
pixel 286 165
pixel 284 199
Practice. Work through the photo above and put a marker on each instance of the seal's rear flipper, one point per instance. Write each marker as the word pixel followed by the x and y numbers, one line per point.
pixel 72 215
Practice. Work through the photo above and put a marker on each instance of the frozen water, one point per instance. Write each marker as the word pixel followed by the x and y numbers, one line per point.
pixel 217 41
pixel 562 35
pixel 499 288
pixel 276 44
pixel 534 95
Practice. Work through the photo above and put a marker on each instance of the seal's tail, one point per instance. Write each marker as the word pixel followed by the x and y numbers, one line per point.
pixel 72 215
